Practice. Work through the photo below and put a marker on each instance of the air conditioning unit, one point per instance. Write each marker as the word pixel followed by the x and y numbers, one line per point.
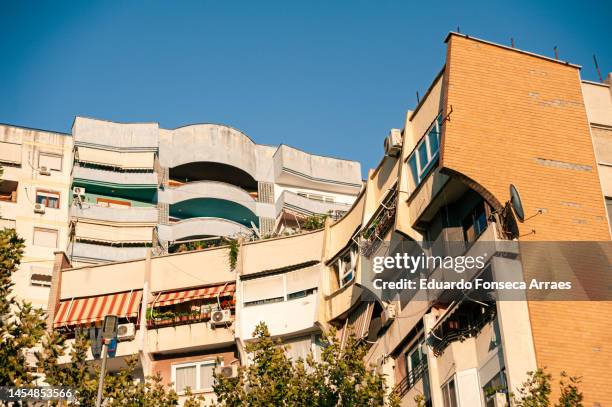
pixel 39 208
pixel 126 332
pixel 221 317
pixel 393 143
pixel 228 371
pixel 78 192
pixel 44 171
pixel 390 313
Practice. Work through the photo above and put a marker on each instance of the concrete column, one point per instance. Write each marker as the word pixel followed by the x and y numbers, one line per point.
pixel 429 320
pixel 60 263
pixel 144 345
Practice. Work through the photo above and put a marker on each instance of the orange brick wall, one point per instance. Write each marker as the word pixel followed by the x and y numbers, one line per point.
pixel 520 119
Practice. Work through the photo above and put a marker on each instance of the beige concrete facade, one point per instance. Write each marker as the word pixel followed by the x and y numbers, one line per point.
pixel 494 116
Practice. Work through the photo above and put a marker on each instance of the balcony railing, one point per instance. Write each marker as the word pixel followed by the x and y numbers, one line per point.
pixel 460 325
pixel 115 214
pixel 411 379
pixel 379 226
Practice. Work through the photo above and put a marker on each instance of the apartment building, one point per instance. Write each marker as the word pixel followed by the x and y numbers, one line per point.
pixel 110 191
pixel 494 116
pixel 141 186
pixel 34 200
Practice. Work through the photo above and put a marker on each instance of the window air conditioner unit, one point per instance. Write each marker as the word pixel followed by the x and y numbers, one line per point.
pixel 393 143
pixel 39 208
pixel 390 313
pixel 228 371
pixel 126 332
pixel 44 171
pixel 221 317
pixel 78 192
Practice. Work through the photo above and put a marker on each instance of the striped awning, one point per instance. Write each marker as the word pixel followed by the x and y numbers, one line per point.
pixel 80 311
pixel 175 297
pixel 357 323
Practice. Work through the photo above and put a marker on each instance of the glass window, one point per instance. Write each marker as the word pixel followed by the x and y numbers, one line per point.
pixel 449 394
pixel 423 157
pixel 609 207
pixel 412 162
pixel 48 198
pixel 185 377
pixel 198 376
pixel 206 376
pixel 475 223
pixel 434 141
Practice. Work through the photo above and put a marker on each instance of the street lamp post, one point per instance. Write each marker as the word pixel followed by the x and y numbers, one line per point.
pixel 109 331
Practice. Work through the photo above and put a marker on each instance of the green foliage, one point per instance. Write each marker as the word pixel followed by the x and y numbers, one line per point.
pixel 21 325
pixel 341 378
pixel 314 222
pixel 234 247
pixel 570 396
pixel 535 392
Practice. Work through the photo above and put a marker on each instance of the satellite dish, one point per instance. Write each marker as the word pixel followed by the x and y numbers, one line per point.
pixel 517 204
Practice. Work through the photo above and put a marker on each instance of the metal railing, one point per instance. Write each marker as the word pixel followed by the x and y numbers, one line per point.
pixel 411 379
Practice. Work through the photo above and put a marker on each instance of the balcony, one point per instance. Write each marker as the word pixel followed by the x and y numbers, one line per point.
pixel 308 207
pixel 380 225
pixel 295 167
pixel 201 227
pixel 88 252
pixel 104 177
pixel 188 337
pixel 115 213
pixel 413 380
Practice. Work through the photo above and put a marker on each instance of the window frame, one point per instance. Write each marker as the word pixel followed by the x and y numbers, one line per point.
pixel 346 275
pixel 446 385
pixel 52 155
pixel 46 198
pixel 423 170
pixel 197 365
pixel 39 229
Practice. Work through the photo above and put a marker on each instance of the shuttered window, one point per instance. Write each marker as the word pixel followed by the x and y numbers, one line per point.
pixel 45 237
pixel 10 152
pixel 51 161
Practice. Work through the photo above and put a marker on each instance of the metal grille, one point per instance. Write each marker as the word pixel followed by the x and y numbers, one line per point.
pixel 163 213
pixel 266 225
pixel 265 192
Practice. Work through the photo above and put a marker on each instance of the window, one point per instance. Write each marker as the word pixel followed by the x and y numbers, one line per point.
pixel 415 357
pixel 51 161
pixel 49 199
pixel 475 222
pixel 281 287
pixel 198 376
pixel 449 394
pixel 301 294
pixel 45 237
pixel 316 197
pixel 426 152
pixel 496 391
pixel 345 267
pixel 40 277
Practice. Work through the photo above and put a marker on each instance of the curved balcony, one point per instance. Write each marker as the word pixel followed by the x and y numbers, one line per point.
pixel 209 143
pixel 116 214
pixel 296 203
pixel 201 227
pixel 208 189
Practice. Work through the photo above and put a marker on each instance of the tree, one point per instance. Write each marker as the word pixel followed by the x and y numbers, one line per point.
pixel 21 325
pixel 535 392
pixel 120 388
pixel 570 396
pixel 341 378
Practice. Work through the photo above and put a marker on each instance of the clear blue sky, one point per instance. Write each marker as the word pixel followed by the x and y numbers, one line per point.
pixel 329 77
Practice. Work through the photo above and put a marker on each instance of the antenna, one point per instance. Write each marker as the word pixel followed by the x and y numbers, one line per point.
pixel 597 68
pixel 556 52
pixel 418 99
pixel 458 29
pixel 512 41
